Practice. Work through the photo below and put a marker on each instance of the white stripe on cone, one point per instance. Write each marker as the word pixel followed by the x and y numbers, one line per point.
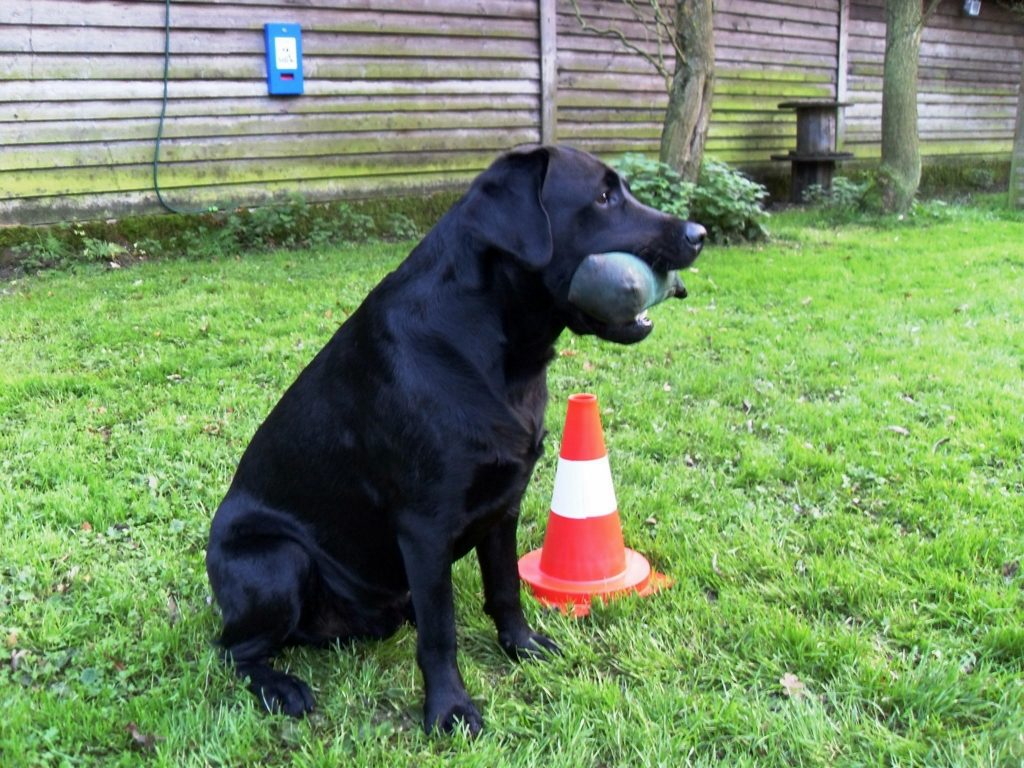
pixel 583 489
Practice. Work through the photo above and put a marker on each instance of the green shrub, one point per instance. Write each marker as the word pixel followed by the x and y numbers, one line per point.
pixel 980 178
pixel 296 223
pixel 45 248
pixel 285 224
pixel 726 202
pixel 348 225
pixel 729 204
pixel 656 184
pixel 398 226
pixel 62 247
pixel 844 201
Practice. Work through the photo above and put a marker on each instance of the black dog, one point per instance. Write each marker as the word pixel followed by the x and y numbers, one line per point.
pixel 410 438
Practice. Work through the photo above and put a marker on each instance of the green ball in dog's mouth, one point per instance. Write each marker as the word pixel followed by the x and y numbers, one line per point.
pixel 618 288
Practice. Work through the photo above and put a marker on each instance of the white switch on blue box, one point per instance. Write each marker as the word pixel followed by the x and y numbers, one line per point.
pixel 284 58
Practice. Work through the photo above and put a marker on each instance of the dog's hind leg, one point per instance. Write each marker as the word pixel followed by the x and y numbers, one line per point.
pixel 260 583
pixel 276 691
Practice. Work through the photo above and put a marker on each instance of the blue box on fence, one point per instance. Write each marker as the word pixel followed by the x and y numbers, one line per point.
pixel 284 59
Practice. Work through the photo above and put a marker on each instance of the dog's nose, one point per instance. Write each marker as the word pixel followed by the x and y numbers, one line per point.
pixel 695 235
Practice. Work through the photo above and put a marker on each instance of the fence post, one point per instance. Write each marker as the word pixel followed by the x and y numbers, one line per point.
pixel 842 67
pixel 548 71
pixel 1017 159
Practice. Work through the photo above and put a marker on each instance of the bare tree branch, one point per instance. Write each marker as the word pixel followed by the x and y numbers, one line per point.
pixel 688 27
pixel 666 26
pixel 659 26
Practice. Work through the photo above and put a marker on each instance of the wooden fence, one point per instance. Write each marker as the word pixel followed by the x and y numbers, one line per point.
pixel 408 95
pixel 400 94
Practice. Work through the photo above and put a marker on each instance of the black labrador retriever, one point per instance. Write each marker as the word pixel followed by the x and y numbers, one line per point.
pixel 410 438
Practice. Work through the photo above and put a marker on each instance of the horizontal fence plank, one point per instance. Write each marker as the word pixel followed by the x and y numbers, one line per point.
pixel 258 107
pixel 823 13
pixel 791 62
pixel 220 18
pixel 283 125
pixel 101 90
pixel 969 72
pixel 261 147
pixel 57 40
pixel 774 26
pixel 776 44
pixel 939 148
pixel 69 67
pixel 931 88
pixel 190 176
pixel 968 101
pixel 63 12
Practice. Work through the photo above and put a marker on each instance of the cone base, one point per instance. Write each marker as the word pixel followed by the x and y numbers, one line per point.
pixel 574 597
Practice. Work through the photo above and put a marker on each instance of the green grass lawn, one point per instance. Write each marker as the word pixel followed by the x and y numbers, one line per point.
pixel 823 447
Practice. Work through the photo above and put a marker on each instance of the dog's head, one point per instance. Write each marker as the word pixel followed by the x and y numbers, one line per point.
pixel 550 208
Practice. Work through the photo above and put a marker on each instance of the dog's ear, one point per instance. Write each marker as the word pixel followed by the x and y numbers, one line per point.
pixel 503 208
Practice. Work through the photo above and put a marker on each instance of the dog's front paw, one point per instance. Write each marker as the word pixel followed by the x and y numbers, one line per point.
pixel 528 645
pixel 280 692
pixel 449 715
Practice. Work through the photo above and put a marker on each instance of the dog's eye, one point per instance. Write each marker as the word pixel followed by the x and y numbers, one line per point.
pixel 604 198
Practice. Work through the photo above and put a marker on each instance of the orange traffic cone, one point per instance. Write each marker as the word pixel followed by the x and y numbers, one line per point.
pixel 583 554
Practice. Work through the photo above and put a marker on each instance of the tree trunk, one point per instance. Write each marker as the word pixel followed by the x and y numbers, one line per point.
pixel 689 102
pixel 900 171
